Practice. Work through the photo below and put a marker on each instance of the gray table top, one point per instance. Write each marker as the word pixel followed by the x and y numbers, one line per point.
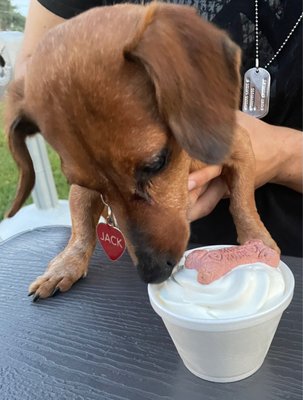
pixel 102 340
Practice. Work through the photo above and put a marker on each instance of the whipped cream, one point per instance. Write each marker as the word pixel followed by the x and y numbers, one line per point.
pixel 246 290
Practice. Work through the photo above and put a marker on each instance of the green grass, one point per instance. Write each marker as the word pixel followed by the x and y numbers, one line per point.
pixel 9 173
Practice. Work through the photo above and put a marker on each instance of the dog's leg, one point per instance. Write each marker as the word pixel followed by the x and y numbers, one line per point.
pixel 72 263
pixel 239 173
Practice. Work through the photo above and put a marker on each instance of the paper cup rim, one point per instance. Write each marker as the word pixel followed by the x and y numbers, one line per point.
pixel 225 324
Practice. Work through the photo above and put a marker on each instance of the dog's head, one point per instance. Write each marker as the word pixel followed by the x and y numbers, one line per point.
pixel 154 87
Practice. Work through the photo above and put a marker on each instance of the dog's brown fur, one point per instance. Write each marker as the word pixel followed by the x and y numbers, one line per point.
pixel 110 90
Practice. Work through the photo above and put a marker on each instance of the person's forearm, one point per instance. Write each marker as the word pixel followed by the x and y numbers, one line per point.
pixel 38 22
pixel 290 172
pixel 278 152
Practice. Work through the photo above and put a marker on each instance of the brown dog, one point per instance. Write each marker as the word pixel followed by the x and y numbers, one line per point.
pixel 131 97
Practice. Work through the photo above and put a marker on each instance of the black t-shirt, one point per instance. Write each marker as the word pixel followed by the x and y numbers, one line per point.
pixel 280 208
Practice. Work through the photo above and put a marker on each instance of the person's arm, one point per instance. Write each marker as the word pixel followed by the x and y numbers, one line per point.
pixel 38 22
pixel 278 152
pixel 279 159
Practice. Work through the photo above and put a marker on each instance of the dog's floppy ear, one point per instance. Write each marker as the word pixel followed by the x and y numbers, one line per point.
pixel 194 67
pixel 18 126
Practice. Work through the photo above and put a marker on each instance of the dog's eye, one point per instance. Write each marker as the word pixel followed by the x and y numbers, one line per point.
pixel 156 165
pixel 145 173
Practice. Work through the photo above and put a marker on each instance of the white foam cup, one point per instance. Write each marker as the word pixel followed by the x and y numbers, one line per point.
pixel 224 350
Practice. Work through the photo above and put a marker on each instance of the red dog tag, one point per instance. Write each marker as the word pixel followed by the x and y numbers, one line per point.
pixel 112 240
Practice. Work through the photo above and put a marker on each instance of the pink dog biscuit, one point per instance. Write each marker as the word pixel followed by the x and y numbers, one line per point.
pixel 212 264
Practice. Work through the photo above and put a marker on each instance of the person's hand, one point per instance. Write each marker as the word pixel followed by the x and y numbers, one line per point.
pixel 278 154
pixel 206 188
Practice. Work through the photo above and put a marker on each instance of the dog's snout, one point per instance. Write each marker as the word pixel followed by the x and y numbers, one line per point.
pixel 155 269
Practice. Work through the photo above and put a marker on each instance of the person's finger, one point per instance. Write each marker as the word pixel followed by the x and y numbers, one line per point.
pixel 203 205
pixel 202 176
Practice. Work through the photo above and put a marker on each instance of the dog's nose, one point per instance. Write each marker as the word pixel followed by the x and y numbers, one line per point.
pixel 155 270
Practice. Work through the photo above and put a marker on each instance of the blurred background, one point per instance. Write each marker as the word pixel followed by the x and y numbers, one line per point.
pixel 12 20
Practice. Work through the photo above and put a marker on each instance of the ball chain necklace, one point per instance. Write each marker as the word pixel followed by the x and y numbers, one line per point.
pixel 256 87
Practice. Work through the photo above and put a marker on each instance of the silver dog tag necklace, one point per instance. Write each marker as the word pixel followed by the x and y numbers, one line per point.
pixel 256 85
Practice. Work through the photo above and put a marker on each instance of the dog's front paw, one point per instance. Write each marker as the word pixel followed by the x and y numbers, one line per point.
pixel 269 241
pixel 60 275
pixel 261 234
